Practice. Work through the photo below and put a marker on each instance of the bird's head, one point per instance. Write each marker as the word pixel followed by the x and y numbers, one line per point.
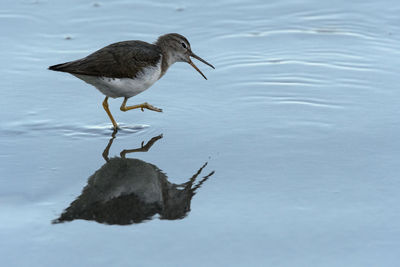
pixel 178 49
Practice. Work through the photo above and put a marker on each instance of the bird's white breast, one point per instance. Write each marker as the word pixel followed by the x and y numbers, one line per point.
pixel 125 87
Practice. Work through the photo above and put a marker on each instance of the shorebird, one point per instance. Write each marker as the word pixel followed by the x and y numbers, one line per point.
pixel 127 68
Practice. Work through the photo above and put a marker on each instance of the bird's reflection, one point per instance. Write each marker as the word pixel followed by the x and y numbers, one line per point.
pixel 126 191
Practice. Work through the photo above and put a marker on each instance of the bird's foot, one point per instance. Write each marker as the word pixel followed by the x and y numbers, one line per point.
pixel 150 107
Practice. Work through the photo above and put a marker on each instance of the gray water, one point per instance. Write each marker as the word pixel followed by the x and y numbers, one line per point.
pixel 299 121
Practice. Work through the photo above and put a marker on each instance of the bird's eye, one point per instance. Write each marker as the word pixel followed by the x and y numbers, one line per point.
pixel 183 45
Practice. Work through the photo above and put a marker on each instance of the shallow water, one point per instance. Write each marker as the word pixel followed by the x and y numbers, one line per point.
pixel 299 121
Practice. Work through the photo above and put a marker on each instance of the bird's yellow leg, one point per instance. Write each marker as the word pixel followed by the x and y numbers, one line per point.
pixel 105 106
pixel 141 106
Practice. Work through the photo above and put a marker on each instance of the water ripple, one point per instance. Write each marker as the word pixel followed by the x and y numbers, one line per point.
pixel 308 102
pixel 319 31
pixel 44 127
pixel 288 100
pixel 19 17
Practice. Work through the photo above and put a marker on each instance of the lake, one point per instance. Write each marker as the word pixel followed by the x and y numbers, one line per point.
pixel 288 155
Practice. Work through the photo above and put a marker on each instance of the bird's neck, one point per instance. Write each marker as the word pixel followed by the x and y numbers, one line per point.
pixel 168 57
pixel 167 60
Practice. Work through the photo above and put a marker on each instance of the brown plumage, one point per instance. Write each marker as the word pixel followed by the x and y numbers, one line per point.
pixel 118 60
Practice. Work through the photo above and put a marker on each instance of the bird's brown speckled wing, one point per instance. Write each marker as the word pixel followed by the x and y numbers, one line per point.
pixel 119 60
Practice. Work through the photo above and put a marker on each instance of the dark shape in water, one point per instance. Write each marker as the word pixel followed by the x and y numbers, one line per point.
pixel 126 191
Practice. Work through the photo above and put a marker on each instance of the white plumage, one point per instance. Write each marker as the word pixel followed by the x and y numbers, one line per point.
pixel 124 87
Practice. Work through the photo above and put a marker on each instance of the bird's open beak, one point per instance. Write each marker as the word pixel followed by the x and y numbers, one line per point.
pixel 200 59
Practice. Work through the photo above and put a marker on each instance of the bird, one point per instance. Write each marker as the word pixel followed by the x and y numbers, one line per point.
pixel 127 68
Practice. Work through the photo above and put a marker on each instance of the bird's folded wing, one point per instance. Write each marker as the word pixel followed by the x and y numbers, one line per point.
pixel 118 60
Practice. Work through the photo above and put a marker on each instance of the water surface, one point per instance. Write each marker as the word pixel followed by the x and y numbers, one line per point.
pixel 299 121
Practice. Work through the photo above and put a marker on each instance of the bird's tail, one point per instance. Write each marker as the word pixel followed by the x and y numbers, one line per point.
pixel 58 67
